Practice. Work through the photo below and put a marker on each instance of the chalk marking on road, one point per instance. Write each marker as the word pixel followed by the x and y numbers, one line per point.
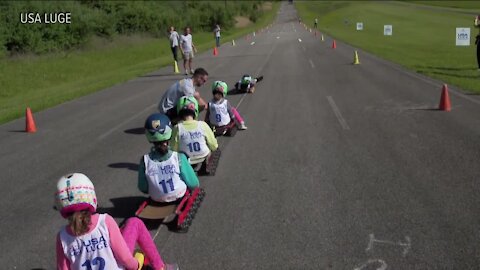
pixel 299 40
pixel 311 63
pixel 406 245
pixel 101 137
pixel 335 109
pixel 383 264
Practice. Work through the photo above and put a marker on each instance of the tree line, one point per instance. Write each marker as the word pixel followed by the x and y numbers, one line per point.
pixel 107 19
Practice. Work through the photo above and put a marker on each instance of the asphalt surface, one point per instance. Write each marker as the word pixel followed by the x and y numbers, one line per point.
pixel 343 166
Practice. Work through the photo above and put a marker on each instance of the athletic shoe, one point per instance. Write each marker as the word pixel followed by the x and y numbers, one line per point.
pixel 242 126
pixel 259 78
pixel 171 267
pixel 192 71
pixel 186 73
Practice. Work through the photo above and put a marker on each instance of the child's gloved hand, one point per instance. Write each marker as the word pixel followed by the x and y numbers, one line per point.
pixel 140 258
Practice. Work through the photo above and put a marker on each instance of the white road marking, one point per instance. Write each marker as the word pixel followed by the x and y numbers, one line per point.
pixel 256 74
pixel 382 263
pixel 311 63
pixel 104 135
pixel 337 113
pixel 406 245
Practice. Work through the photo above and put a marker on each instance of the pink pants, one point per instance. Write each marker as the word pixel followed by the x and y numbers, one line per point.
pixel 237 115
pixel 135 232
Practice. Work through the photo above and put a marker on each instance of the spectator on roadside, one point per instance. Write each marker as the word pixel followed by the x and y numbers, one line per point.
pixel 477 40
pixel 174 39
pixel 216 32
pixel 315 23
pixel 187 47
pixel 184 87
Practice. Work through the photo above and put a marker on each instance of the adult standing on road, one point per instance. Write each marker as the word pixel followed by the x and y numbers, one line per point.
pixel 216 32
pixel 187 47
pixel 477 40
pixel 174 38
pixel 184 87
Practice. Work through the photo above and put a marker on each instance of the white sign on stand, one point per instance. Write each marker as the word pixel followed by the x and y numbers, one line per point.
pixel 359 26
pixel 462 36
pixel 387 30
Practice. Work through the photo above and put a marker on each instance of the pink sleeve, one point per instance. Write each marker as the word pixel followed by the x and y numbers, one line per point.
pixel 62 262
pixel 119 247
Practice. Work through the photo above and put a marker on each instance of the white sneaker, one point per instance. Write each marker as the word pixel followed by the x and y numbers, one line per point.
pixel 242 126
pixel 186 73
pixel 171 267
pixel 192 71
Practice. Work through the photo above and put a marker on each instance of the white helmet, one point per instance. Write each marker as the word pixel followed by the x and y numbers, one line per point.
pixel 75 192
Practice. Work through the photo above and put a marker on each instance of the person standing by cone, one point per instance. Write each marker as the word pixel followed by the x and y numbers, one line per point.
pixel 477 40
pixel 174 38
pixel 216 33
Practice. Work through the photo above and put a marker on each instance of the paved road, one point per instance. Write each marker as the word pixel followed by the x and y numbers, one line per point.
pixel 342 167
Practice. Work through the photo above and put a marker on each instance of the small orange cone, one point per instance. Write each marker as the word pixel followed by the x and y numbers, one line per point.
pixel 30 123
pixel 215 51
pixel 334 44
pixel 445 100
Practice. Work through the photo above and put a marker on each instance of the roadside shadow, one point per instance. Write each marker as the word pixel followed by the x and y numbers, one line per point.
pixel 123 207
pixel 136 131
pixel 445 68
pixel 18 131
pixel 124 165
pixel 426 109
pixel 456 75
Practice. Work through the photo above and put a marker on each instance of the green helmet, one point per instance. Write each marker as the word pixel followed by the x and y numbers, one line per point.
pixel 189 104
pixel 246 79
pixel 158 128
pixel 220 86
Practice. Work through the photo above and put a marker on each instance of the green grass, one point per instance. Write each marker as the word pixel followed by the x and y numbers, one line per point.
pixel 423 39
pixel 40 82
pixel 467 5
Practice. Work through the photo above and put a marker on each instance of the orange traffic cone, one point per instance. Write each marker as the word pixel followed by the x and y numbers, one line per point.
pixel 29 122
pixel 215 52
pixel 334 44
pixel 445 100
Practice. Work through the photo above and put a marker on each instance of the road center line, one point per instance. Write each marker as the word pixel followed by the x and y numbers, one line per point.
pixel 101 137
pixel 337 113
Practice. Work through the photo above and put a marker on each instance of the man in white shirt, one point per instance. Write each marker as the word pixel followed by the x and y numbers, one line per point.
pixel 174 38
pixel 187 47
pixel 185 87
pixel 216 32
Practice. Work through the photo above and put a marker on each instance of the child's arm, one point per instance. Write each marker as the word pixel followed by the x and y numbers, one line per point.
pixel 117 243
pixel 209 136
pixel 207 116
pixel 174 139
pixel 187 173
pixel 142 179
pixel 62 262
